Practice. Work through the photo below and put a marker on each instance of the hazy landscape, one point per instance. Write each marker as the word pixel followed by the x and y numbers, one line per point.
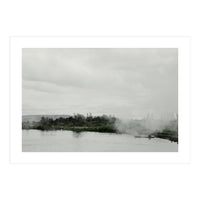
pixel 109 100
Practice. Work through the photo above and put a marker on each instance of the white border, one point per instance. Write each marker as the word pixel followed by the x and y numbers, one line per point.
pixel 16 45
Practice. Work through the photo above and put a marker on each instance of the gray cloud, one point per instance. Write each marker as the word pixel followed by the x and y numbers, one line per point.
pixel 122 82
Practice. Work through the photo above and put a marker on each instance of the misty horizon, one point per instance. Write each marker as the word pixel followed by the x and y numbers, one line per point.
pixel 148 116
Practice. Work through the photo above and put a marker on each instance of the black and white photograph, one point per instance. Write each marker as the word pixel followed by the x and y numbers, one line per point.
pixel 100 100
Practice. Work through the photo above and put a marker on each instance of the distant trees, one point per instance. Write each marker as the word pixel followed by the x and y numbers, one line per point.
pixel 76 122
pixel 45 123
pixel 26 125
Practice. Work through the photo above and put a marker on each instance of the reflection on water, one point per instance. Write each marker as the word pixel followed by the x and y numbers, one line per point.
pixel 68 141
pixel 77 134
pixel 47 133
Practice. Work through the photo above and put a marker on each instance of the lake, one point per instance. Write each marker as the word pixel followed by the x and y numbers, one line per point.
pixel 68 141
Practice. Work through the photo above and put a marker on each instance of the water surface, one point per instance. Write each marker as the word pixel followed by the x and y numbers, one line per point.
pixel 68 141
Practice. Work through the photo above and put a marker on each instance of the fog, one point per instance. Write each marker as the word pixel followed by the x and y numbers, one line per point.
pixel 146 126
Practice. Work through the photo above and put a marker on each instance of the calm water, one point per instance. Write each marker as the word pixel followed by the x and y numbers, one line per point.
pixel 68 141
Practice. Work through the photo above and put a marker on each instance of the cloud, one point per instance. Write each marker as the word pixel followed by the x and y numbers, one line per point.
pixel 123 82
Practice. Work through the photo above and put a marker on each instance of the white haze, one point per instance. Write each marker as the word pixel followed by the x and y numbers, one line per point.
pixel 145 126
pixel 126 83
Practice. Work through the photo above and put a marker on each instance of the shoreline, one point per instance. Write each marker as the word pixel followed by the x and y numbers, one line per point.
pixel 162 135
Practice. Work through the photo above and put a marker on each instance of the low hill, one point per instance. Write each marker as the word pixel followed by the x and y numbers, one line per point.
pixel 37 118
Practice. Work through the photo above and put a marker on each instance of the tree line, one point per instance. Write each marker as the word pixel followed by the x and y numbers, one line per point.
pixel 76 123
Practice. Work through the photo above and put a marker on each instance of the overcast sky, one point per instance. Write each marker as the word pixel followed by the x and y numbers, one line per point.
pixel 126 83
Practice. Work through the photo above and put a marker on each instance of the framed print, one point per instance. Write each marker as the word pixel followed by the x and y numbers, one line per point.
pixel 100 100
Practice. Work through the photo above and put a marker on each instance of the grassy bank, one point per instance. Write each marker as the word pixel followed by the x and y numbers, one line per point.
pixel 171 135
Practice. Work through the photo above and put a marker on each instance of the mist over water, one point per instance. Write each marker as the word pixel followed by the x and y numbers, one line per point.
pixel 127 135
pixel 145 126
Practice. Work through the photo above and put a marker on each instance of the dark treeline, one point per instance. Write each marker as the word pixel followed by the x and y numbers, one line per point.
pixel 76 123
